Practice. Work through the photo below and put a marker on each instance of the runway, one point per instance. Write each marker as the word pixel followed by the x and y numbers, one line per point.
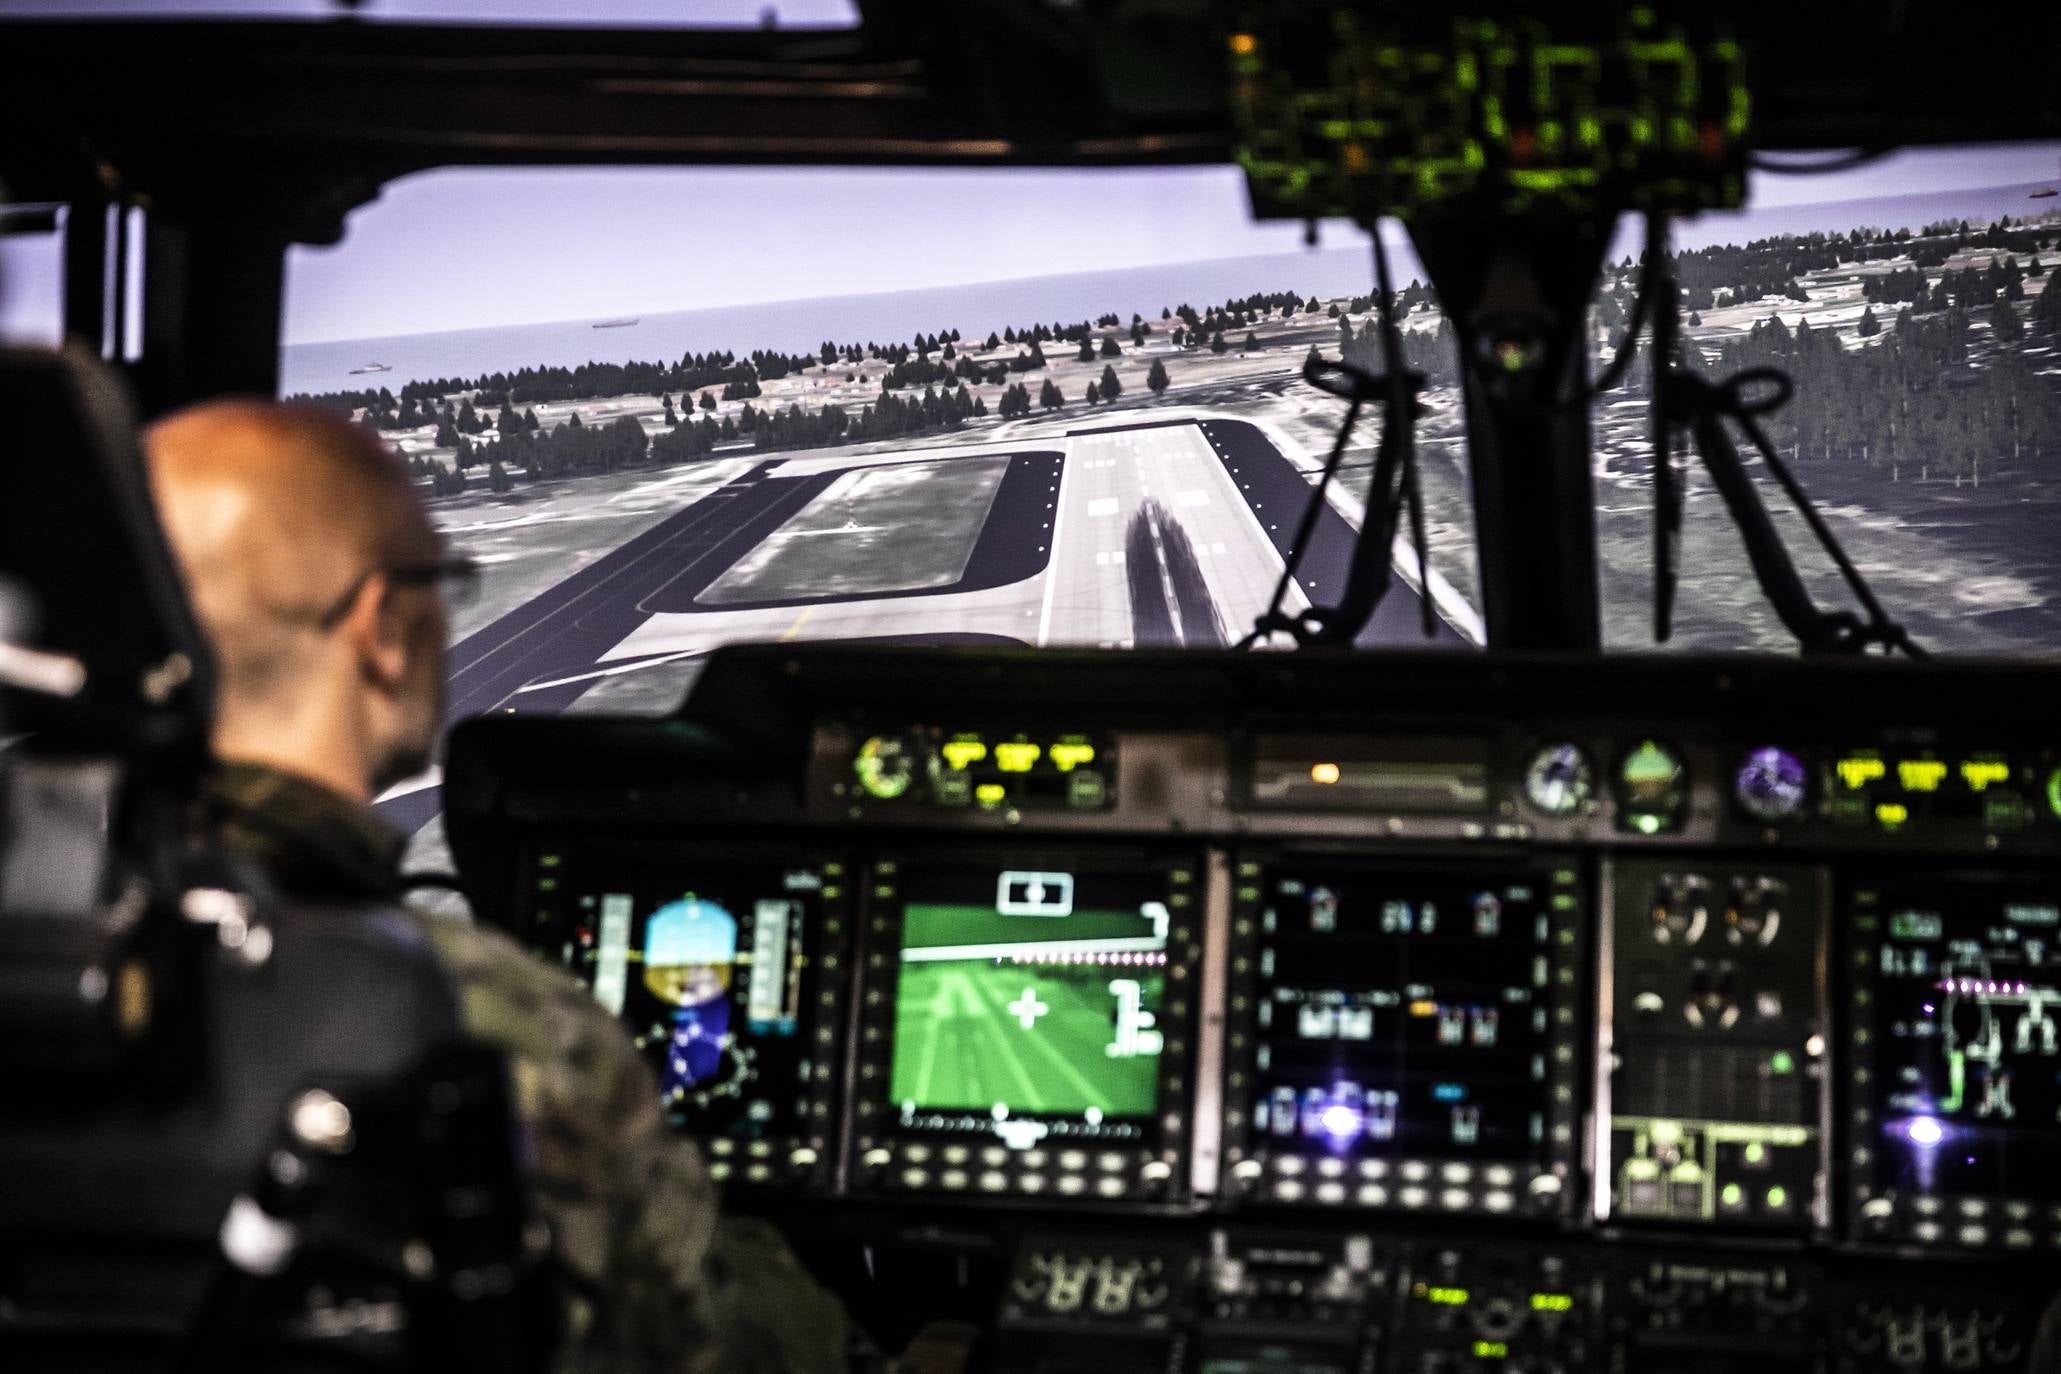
pixel 1168 532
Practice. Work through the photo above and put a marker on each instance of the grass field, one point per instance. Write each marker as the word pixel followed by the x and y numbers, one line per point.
pixel 971 1034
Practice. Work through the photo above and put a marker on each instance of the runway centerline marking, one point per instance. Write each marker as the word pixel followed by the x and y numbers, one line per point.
pixel 799 621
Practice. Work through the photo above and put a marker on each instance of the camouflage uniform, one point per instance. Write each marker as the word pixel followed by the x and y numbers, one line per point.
pixel 656 1279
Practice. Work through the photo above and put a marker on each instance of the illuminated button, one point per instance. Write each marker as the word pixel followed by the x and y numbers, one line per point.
pixel 1035 1159
pixel 1031 1183
pixel 1972 1235
pixel 1331 1168
pixel 1086 791
pixel 1016 756
pixel 1331 1192
pixel 1111 1161
pixel 1973 1207
pixel 1456 1199
pixel 719 1171
pixel 1110 1187
pixel 1414 1197
pixel 1416 1171
pixel 1073 1161
pixel 802 1158
pixel 759 1173
pixel 1732 1197
pixel 1373 1168
pixel 1925 1231
pixel 916 1178
pixel 993 1181
pixel 1158 1171
pixel 990 795
pixel 1499 1176
pixel 2018 1211
pixel 761 1149
pixel 720 1147
pixel 1247 1169
pixel 1290 1165
pixel 1288 1190
pixel 1073 1185
pixel 2018 1238
pixel 1499 1201
pixel 994 1156
pixel 1070 754
pixel 877 1159
pixel 957 1154
pixel 1457 1173
pixel 1926 1206
pixel 916 1154
pixel 1778 1198
pixel 1877 1208
pixel 952 1178
pixel 1373 1195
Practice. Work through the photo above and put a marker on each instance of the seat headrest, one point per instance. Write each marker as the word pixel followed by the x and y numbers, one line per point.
pixel 80 541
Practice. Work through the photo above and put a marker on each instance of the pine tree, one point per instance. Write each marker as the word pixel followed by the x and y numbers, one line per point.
pixel 1216 342
pixel 1869 326
pixel 447 435
pixel 708 401
pixel 2004 323
pixel 1109 348
pixel 2046 309
pixel 530 424
pixel 1050 397
pixel 1157 378
pixel 1251 344
pixel 1111 387
pixel 1093 394
pixel 497 477
pixel 1139 330
pixel 1087 353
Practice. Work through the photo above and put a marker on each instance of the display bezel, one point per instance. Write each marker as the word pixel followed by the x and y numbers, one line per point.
pixel 1877 1213
pixel 886 1158
pixel 804 1158
pixel 1310 1177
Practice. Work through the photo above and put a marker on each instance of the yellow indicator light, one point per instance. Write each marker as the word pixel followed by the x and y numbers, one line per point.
pixel 1016 757
pixel 1423 1008
pixel 1980 773
pixel 1326 773
pixel 1446 1297
pixel 1552 1302
pixel 1244 44
pixel 1892 814
pixel 1067 757
pixel 1491 1350
pixel 961 752
pixel 1920 775
pixel 990 794
pixel 1858 772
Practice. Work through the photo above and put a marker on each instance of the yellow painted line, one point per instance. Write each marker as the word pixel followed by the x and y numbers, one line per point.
pixel 799 621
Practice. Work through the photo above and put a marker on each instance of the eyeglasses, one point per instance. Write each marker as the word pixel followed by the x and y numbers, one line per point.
pixel 457 578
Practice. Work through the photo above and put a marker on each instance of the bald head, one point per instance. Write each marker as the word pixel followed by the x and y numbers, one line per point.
pixel 284 520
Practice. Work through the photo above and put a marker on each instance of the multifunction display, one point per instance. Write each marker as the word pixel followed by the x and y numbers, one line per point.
pixel 1400 1044
pixel 1025 1015
pixel 1959 1012
pixel 716 965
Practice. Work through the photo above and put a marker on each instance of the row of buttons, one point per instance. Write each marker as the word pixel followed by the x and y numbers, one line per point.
pixel 1408 1170
pixel 995 1181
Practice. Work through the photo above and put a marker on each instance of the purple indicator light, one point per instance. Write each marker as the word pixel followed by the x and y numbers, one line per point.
pixel 1340 1122
pixel 1771 785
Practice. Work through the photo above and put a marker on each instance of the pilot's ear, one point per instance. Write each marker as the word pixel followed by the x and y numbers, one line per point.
pixel 376 629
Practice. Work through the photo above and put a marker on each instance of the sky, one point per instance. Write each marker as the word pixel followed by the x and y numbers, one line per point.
pixel 469 248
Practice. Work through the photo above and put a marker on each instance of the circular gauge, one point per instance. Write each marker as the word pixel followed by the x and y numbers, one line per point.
pixel 1753 914
pixel 884 767
pixel 1771 785
pixel 1559 781
pixel 1650 786
pixel 1681 908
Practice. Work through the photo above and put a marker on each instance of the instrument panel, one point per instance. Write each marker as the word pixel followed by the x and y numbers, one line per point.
pixel 1384 1038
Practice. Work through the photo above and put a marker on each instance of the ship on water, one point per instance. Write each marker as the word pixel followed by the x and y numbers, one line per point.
pixel 370 367
pixel 616 324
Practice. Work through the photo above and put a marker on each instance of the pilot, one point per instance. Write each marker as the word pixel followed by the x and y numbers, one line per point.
pixel 316 574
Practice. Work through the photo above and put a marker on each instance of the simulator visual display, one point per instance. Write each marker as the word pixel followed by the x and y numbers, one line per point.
pixel 1028 1003
pixel 1967 1017
pixel 1402 1014
pixel 708 965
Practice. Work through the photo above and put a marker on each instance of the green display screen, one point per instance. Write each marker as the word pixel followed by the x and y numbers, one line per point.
pixel 1029 995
